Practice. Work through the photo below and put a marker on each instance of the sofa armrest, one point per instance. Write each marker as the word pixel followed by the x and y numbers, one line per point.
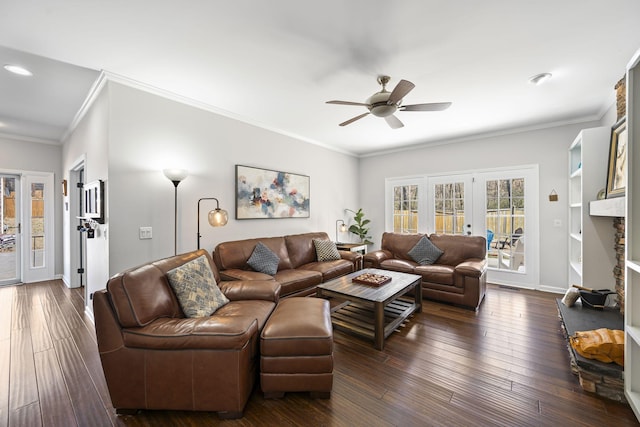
pixel 354 257
pixel 237 274
pixel 473 267
pixel 373 259
pixel 236 290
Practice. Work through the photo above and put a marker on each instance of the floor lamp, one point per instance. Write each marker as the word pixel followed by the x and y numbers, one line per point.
pixel 217 217
pixel 175 176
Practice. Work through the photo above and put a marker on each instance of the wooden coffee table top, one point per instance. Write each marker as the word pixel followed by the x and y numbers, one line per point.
pixel 344 286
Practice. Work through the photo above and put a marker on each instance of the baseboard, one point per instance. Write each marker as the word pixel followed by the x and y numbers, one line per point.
pixel 552 289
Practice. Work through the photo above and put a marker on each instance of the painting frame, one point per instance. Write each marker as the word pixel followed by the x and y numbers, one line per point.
pixel 271 194
pixel 617 169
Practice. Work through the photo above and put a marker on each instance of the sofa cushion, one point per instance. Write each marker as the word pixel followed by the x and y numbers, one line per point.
pixel 264 260
pixel 301 249
pixel 231 327
pixel 330 269
pixel 398 265
pixel 425 252
pixel 436 273
pixel 326 250
pixel 295 280
pixel 196 289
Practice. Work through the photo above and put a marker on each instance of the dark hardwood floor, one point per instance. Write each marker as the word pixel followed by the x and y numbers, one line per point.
pixel 506 365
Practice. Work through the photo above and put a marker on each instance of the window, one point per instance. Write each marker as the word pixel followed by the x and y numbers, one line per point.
pixel 505 218
pixel 449 207
pixel 36 248
pixel 405 209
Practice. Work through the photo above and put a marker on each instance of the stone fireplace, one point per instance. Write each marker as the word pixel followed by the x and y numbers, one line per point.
pixel 618 269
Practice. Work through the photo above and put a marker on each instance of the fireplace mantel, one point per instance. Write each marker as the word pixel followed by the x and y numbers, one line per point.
pixel 608 207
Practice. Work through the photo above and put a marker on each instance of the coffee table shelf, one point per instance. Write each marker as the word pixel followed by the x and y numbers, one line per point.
pixel 370 311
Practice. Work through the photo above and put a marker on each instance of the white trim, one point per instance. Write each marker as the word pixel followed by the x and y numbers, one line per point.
pixel 95 90
pixel 117 78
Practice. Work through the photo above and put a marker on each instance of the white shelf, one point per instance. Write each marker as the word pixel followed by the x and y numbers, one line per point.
pixel 632 241
pixel 591 256
pixel 633 265
pixel 607 207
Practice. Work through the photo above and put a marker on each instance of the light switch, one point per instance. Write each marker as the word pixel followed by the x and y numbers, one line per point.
pixel 146 233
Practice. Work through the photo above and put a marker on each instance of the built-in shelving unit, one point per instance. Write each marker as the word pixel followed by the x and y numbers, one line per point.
pixel 591 257
pixel 632 241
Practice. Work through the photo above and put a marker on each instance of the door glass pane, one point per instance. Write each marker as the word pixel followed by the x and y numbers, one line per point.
pixel 36 245
pixel 8 229
pixel 505 213
pixel 449 208
pixel 405 209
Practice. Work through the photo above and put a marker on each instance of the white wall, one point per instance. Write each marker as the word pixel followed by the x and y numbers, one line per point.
pixel 88 142
pixel 148 133
pixel 18 155
pixel 546 147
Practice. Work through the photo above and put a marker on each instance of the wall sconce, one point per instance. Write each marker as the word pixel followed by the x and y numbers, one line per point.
pixel 175 176
pixel 343 229
pixel 217 217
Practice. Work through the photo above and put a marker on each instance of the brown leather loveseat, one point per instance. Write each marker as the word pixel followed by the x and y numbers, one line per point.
pixel 154 357
pixel 458 276
pixel 298 270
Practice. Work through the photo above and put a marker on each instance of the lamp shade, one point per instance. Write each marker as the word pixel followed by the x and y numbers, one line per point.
pixel 175 175
pixel 218 217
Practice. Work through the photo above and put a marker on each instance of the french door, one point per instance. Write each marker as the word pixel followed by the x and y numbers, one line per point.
pixel 10 230
pixel 500 204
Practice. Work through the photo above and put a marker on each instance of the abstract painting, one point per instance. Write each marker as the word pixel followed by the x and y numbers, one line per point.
pixel 266 193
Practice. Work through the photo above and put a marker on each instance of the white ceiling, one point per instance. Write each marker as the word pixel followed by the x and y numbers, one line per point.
pixel 275 63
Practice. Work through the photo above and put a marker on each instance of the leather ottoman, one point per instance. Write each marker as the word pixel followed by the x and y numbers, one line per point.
pixel 296 349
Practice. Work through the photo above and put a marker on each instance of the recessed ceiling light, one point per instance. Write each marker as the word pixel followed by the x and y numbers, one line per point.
pixel 17 69
pixel 2 125
pixel 538 79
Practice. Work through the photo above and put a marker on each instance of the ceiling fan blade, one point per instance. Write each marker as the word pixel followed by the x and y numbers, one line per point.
pixel 402 88
pixel 347 103
pixel 434 106
pixel 394 122
pixel 354 119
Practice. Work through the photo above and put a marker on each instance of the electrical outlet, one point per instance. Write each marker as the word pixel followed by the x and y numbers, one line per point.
pixel 146 233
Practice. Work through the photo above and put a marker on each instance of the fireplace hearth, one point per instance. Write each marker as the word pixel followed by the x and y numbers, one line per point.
pixel 603 379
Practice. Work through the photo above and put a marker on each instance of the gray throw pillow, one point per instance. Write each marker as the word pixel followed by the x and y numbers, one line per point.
pixel 326 250
pixel 196 288
pixel 425 252
pixel 264 260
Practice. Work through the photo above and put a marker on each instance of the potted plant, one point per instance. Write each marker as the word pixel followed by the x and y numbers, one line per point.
pixel 360 228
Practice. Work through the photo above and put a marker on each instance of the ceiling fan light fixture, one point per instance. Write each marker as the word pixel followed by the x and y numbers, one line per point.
pixel 539 79
pixel 17 69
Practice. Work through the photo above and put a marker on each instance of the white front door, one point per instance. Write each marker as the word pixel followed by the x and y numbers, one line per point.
pixel 38 227
pixel 10 230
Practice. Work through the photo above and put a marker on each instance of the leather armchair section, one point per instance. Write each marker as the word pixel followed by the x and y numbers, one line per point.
pixel 155 358
pixel 457 277
pixel 299 271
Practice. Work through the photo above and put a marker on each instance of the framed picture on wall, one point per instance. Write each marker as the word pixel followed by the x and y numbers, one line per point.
pixel 617 171
pixel 267 194
pixel 94 201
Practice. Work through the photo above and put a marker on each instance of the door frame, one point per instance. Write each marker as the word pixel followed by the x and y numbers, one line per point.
pixel 77 250
pixel 18 235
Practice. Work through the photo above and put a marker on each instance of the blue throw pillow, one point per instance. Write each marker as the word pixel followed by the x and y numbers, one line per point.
pixel 264 260
pixel 425 252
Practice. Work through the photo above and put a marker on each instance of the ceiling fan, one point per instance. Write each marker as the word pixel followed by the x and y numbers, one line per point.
pixel 385 103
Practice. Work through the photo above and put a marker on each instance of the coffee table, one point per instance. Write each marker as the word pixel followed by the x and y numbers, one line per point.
pixel 371 311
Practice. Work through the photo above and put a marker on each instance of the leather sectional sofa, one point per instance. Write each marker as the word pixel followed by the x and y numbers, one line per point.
pixel 299 271
pixel 154 357
pixel 458 276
